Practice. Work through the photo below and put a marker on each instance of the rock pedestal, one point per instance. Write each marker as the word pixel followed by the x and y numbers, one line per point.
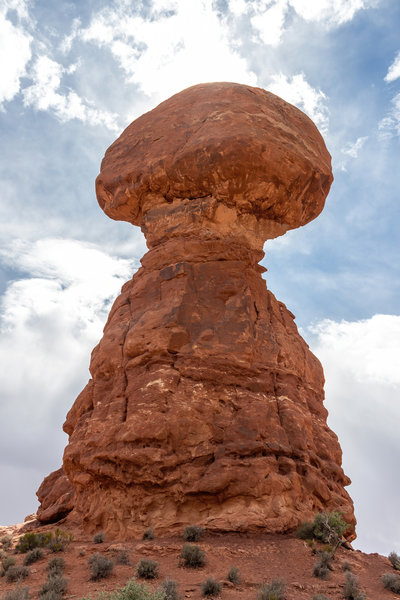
pixel 205 405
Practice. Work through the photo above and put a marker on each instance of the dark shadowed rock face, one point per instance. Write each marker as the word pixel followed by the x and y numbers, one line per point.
pixel 205 405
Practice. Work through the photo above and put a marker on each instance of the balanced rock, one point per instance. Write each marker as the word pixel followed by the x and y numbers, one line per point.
pixel 205 405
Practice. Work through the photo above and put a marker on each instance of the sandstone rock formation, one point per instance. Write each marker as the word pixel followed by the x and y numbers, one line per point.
pixel 205 405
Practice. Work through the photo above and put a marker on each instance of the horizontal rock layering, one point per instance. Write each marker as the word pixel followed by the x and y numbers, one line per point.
pixel 205 405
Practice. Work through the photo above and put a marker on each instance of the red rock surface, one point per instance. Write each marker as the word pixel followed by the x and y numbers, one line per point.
pixel 205 405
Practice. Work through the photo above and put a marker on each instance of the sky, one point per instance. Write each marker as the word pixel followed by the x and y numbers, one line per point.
pixel 73 75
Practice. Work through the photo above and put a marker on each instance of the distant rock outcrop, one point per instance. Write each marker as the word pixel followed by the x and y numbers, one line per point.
pixel 205 405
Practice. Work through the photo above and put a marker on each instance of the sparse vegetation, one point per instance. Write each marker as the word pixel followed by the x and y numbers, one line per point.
pixel 192 556
pixel 346 566
pixel 395 560
pixel 53 588
pixel 16 573
pixel 351 590
pixel 134 590
pixel 147 569
pixel 6 542
pixel 320 597
pixel 100 567
pixel 33 556
pixel 59 540
pixel 391 582
pixel 18 593
pixel 211 587
pixel 326 527
pixel 55 566
pixel 31 540
pixel 148 534
pixel 6 563
pixel 123 558
pixel 305 531
pixel 272 591
pixel 193 533
pixel 233 575
pixel 99 538
pixel 170 589
pixel 323 566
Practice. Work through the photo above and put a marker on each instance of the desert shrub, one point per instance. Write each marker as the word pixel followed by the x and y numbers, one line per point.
pixel 32 556
pixel 147 569
pixel 272 591
pixel 233 575
pixel 134 590
pixel 351 590
pixel 31 540
pixel 55 566
pixel 320 597
pixel 193 533
pixel 6 543
pixel 54 587
pixel 100 567
pixel 329 527
pixel 148 534
pixel 211 587
pixel 323 566
pixel 123 558
pixel 18 593
pixel 192 556
pixel 7 562
pixel 391 582
pixel 346 566
pixel 16 573
pixel 59 540
pixel 395 560
pixel 99 538
pixel 170 589
pixel 305 531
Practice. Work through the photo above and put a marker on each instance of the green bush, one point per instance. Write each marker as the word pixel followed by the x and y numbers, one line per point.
pixel 320 597
pixel 16 573
pixel 33 556
pixel 55 566
pixel 351 590
pixel 18 593
pixel 170 589
pixel 323 566
pixel 272 591
pixel 59 540
pixel 305 531
pixel 193 533
pixel 329 527
pixel 391 582
pixel 395 560
pixel 211 587
pixel 31 540
pixel 54 587
pixel 100 567
pixel 148 534
pixel 192 556
pixel 233 575
pixel 147 569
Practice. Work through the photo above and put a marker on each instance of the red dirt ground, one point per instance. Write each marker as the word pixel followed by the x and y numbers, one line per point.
pixel 260 558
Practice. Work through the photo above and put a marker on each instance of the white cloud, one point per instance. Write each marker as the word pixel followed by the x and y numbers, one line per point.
pixel 269 21
pixel 186 45
pixel 299 92
pixel 331 12
pixel 394 69
pixel 352 149
pixel 15 53
pixel 361 363
pixel 50 322
pixel 44 95
pixel 389 126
